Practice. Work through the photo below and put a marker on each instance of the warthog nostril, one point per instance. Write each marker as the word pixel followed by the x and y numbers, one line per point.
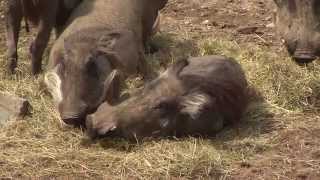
pixel 302 56
pixel 77 122
pixel 73 119
pixel 75 115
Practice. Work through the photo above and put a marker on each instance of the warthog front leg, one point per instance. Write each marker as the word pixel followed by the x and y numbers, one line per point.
pixel 38 46
pixel 13 20
pixel 46 24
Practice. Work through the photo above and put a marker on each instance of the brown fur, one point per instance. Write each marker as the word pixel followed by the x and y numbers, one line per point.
pixel 198 96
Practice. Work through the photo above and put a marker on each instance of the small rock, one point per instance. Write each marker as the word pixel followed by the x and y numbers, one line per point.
pixel 205 22
pixel 12 107
pixel 204 7
pixel 187 22
pixel 269 18
pixel 271 25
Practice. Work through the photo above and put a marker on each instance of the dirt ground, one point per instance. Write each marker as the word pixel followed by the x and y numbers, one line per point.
pixel 279 139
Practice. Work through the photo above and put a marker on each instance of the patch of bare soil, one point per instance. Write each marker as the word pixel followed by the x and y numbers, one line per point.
pixel 238 20
pixel 296 156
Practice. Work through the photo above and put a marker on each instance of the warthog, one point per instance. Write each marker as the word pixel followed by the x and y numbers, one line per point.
pixel 195 96
pixel 104 35
pixel 46 14
pixel 297 22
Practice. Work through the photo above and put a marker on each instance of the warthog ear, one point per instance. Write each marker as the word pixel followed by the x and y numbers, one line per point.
pixel 177 67
pixel 107 42
pixel 111 87
pixel 106 45
pixel 156 24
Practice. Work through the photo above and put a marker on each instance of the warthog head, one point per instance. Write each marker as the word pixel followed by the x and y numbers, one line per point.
pixel 78 80
pixel 198 96
pixel 298 23
pixel 149 110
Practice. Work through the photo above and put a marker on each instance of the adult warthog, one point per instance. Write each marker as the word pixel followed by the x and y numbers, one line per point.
pixel 104 35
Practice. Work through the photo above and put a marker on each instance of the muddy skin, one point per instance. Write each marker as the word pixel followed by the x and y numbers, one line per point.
pixel 45 15
pixel 103 35
pixel 297 22
pixel 195 96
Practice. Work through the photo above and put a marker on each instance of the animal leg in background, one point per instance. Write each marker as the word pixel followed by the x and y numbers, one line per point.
pixel 13 21
pixel 39 44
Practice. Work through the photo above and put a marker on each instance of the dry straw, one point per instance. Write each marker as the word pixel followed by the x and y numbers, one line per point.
pixel 41 146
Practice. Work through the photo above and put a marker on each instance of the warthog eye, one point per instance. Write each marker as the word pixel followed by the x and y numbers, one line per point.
pixel 162 106
pixel 92 69
pixel 160 110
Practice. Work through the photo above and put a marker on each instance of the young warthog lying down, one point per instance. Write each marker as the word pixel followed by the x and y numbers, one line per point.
pixel 297 21
pixel 46 14
pixel 103 35
pixel 198 96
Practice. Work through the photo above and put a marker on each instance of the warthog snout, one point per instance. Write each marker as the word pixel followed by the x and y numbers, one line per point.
pixel 297 23
pixel 303 56
pixel 75 120
pixel 95 129
pixel 75 115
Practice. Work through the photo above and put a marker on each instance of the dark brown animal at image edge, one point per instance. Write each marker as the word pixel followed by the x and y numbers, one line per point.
pixel 297 22
pixel 197 96
pixel 103 35
pixel 46 15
